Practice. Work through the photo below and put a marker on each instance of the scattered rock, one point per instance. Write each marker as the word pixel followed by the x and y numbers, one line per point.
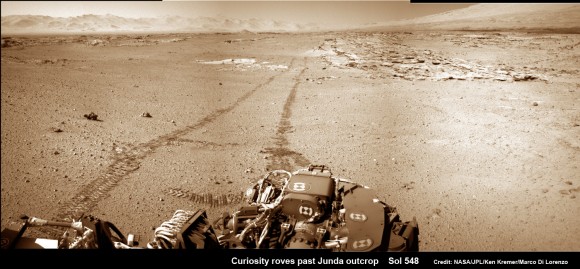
pixel 535 103
pixel 56 130
pixel 5 43
pixel 524 77
pixel 436 212
pixel 443 76
pixel 146 115
pixel 172 121
pixel 91 116
pixel 96 42
pixel 408 186
pixel 465 66
pixel 564 192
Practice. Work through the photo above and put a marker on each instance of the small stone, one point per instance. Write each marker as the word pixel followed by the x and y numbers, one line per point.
pixel 172 121
pixel 27 181
pixel 160 199
pixel 146 115
pixel 535 103
pixel 91 116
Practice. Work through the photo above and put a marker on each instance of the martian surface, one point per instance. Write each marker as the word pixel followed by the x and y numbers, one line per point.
pixel 469 123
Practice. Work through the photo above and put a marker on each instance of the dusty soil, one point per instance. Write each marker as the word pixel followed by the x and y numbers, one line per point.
pixel 475 134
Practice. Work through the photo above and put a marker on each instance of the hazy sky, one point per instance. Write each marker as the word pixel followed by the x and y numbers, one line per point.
pixel 326 12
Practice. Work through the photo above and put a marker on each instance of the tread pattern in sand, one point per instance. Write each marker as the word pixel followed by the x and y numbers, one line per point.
pixel 128 161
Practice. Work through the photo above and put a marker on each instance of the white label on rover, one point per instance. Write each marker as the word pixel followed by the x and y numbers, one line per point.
pixel 358 217
pixel 305 210
pixel 362 244
pixel 299 186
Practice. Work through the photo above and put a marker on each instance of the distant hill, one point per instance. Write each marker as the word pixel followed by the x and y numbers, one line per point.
pixel 16 24
pixel 495 17
pixel 564 17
